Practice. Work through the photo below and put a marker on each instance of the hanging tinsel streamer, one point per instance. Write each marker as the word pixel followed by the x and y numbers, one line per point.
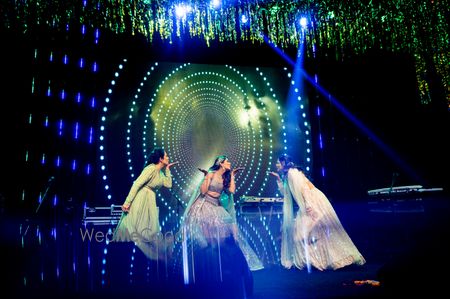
pixel 418 28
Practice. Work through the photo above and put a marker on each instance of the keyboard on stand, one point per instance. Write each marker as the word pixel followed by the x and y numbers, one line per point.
pixel 260 205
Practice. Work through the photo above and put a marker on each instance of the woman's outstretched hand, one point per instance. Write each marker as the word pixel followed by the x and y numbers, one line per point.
pixel 275 174
pixel 236 170
pixel 171 164
pixel 205 172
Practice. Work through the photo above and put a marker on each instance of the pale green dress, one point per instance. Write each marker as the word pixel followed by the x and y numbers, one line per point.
pixel 141 223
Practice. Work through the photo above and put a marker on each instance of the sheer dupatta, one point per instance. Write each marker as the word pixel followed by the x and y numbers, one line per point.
pixel 315 236
pixel 287 227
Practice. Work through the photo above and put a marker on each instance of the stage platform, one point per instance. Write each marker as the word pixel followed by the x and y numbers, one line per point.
pixel 405 249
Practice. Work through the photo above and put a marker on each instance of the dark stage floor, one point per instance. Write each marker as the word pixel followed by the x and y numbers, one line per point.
pixel 403 241
pixel 285 284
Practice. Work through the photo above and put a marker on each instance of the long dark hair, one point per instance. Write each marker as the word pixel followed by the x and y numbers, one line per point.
pixel 156 154
pixel 226 176
pixel 288 164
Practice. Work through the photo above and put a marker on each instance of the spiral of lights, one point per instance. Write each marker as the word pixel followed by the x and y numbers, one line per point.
pixel 199 112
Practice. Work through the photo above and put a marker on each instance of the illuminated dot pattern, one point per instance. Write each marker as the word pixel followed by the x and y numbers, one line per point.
pixel 196 112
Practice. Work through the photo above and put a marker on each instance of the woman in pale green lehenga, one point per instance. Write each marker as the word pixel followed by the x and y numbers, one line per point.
pixel 140 218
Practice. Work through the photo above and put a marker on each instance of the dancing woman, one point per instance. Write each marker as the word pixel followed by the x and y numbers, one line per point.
pixel 212 243
pixel 315 236
pixel 140 219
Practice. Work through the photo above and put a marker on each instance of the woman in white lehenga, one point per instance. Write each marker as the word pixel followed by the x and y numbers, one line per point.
pixel 315 237
pixel 213 245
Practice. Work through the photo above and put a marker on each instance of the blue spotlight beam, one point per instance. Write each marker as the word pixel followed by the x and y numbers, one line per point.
pixel 384 147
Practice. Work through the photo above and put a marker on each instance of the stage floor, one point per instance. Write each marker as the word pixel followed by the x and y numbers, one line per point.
pixel 405 249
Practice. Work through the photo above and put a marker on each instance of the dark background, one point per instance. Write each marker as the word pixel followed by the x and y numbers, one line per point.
pixel 378 88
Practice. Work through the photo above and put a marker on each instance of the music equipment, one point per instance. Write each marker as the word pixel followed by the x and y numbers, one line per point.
pixel 402 190
pixel 254 199
pixel 109 215
pixel 401 199
pixel 260 218
pixel 249 205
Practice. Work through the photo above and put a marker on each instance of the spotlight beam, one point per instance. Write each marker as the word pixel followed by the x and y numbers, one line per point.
pixel 383 146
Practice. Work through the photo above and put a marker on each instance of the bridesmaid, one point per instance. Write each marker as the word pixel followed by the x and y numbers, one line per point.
pixel 140 219
pixel 314 236
pixel 217 259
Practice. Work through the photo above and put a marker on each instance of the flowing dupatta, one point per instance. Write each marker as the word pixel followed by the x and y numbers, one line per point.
pixel 287 227
pixel 294 252
pixel 315 237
